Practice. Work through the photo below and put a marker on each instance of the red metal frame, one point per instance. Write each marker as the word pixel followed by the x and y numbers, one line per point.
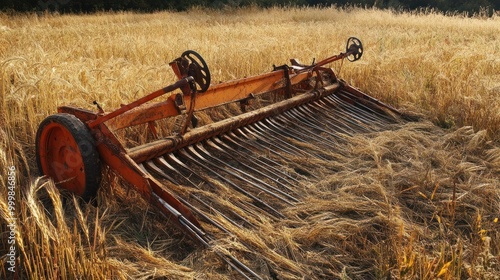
pixel 126 163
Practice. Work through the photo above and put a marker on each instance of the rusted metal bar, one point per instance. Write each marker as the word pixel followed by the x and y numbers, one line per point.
pixel 140 101
pixel 368 100
pixel 216 95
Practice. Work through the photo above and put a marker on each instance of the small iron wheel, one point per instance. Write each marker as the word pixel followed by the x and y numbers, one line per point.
pixel 198 69
pixel 66 152
pixel 354 46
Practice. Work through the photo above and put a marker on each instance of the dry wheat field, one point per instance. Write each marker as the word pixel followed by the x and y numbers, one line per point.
pixel 419 202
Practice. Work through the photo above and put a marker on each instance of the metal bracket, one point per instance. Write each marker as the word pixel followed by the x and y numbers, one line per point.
pixel 286 75
pixel 179 103
pixel 181 108
pixel 244 103
pixel 185 116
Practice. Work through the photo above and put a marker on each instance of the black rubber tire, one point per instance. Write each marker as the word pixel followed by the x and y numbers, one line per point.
pixel 87 151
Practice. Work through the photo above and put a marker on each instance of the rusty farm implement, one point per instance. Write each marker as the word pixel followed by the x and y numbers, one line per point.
pixel 184 174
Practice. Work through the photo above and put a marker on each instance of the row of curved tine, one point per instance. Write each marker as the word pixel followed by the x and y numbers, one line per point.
pixel 246 166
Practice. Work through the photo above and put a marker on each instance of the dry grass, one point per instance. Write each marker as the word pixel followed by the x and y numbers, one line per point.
pixel 416 203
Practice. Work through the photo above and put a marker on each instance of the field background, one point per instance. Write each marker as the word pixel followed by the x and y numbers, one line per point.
pixel 427 202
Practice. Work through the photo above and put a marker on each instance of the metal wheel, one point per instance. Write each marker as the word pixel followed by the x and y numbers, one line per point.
pixel 66 152
pixel 198 69
pixel 355 47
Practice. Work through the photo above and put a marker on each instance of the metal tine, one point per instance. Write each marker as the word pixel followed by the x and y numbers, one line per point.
pixel 239 204
pixel 266 135
pixel 255 144
pixel 261 185
pixel 348 112
pixel 379 114
pixel 248 223
pixel 346 120
pixel 160 172
pixel 208 166
pixel 281 131
pixel 318 139
pixel 271 124
pixel 361 113
pixel 308 126
pixel 212 144
pixel 340 115
pixel 232 261
pixel 358 108
pixel 149 164
pixel 191 227
pixel 353 112
pixel 199 232
pixel 243 131
pixel 312 117
pixel 267 166
pixel 298 116
pixel 179 163
pixel 343 109
pixel 204 238
pixel 334 101
pixel 266 130
pixel 266 169
pixel 195 231
pixel 184 166
pixel 208 154
pixel 270 150
pixel 163 163
pixel 257 200
pixel 309 131
pixel 206 217
pixel 238 265
pixel 141 166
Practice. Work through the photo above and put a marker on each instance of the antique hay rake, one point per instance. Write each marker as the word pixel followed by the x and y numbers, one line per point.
pixel 186 174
